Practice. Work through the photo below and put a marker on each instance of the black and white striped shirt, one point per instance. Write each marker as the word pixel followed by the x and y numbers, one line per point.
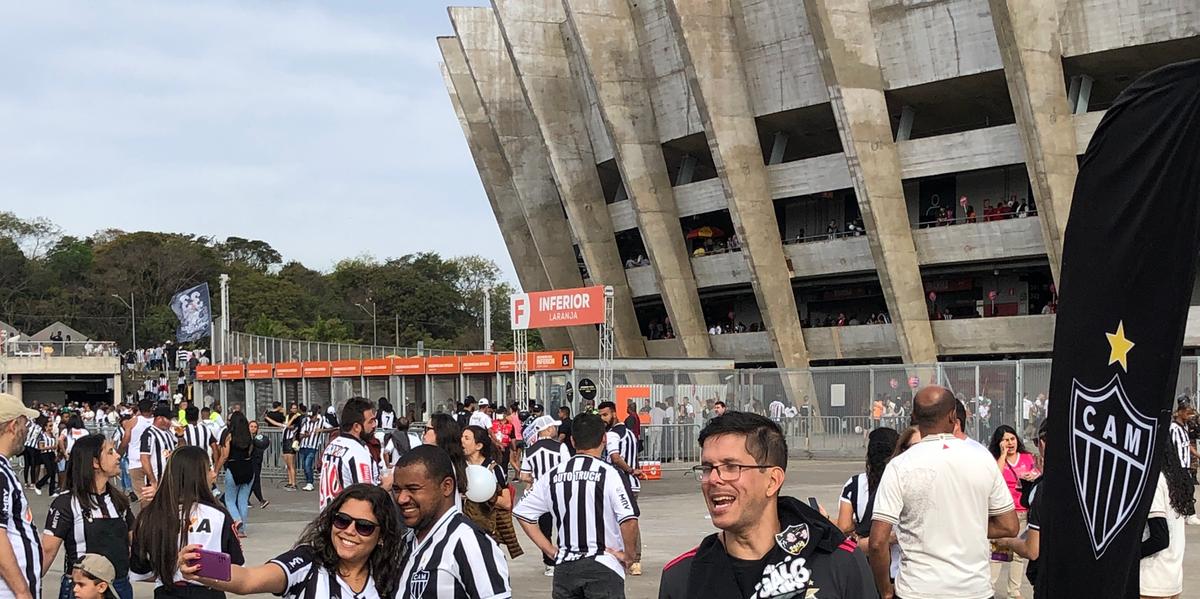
pixel 33 432
pixel 1179 437
pixel 589 502
pixel 621 441
pixel 17 520
pixel 158 445
pixel 307 579
pixel 544 456
pixel 346 461
pixel 199 435
pixel 456 560
pixel 100 528
pixel 309 437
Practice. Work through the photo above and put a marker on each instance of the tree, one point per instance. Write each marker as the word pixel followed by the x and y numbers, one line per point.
pixel 258 255
pixel 34 236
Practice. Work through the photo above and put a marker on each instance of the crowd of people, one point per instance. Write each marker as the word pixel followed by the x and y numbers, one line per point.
pixel 937 215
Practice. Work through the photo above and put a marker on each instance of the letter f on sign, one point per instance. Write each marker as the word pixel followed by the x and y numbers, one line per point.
pixel 519 310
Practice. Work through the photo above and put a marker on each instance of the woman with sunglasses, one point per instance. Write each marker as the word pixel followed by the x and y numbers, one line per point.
pixel 353 550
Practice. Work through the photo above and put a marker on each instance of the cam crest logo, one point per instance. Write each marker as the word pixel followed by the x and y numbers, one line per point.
pixel 417 584
pixel 1111 444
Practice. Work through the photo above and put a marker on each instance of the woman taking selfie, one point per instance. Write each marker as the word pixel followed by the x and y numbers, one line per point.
pixel 159 532
pixel 94 507
pixel 357 541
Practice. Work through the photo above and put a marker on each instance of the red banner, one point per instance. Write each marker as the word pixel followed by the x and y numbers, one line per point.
pixel 403 366
pixel 562 308
pixel 316 370
pixel 259 371
pixel 232 372
pixel 347 368
pixel 479 363
pixel 288 370
pixel 441 365
pixel 208 373
pixel 381 367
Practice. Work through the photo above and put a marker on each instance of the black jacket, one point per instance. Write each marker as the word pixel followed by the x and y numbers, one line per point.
pixel 811 558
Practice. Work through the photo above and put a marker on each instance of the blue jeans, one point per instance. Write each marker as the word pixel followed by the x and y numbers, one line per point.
pixel 237 499
pixel 121 585
pixel 126 481
pixel 308 457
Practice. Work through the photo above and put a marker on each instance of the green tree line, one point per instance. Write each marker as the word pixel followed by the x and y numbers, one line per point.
pixel 46 276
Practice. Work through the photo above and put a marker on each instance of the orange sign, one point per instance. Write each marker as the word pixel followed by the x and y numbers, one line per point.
pixel 382 367
pixel 506 362
pixel 403 366
pixel 441 365
pixel 347 368
pixel 561 308
pixel 208 373
pixel 259 371
pixel 627 393
pixel 478 363
pixel 316 369
pixel 288 370
pixel 232 372
pixel 551 360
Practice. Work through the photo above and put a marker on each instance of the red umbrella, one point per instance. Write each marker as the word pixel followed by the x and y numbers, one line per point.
pixel 705 232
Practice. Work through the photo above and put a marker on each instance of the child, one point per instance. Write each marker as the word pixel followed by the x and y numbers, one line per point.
pixel 93 577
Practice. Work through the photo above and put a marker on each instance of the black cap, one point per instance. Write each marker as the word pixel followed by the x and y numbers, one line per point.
pixel 163 411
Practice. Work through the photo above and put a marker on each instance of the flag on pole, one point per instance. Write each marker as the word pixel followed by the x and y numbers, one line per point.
pixel 193 308
pixel 1129 262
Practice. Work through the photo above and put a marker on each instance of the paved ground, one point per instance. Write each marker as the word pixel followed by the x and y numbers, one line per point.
pixel 673 521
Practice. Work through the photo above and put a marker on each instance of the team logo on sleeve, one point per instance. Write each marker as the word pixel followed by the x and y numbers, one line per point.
pixel 417 584
pixel 1111 448
pixel 793 539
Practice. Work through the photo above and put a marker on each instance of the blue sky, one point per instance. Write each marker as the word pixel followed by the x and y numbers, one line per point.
pixel 322 128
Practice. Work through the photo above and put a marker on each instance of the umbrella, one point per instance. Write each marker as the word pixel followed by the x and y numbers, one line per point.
pixel 705 232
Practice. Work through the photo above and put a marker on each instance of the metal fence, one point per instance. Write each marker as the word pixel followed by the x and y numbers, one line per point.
pixel 247 348
pixel 23 348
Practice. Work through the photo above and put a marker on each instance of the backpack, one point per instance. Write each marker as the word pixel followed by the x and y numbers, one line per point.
pixel 400 441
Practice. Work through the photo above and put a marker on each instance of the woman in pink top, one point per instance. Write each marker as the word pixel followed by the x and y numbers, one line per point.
pixel 1017 466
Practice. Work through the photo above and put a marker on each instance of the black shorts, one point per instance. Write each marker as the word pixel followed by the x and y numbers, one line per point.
pixel 287 447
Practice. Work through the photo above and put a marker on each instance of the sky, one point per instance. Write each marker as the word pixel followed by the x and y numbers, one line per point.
pixel 322 128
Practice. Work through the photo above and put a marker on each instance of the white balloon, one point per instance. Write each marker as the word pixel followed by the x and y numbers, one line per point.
pixel 858 429
pixel 481 483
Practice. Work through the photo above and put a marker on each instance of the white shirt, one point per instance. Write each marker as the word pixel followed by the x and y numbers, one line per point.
pixel 1162 573
pixel 939 495
pixel 135 441
pixel 346 461
pixel 480 418
pixel 1026 406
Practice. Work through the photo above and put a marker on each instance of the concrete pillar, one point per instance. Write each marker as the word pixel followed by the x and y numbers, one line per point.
pixel 846 46
pixel 708 43
pixel 491 67
pixel 603 30
pixel 15 387
pixel 497 180
pixel 531 30
pixel 1028 34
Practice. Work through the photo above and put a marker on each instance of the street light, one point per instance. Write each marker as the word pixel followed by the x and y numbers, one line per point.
pixel 374 327
pixel 132 316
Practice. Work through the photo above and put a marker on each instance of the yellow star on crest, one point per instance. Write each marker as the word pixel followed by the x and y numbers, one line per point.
pixel 1119 347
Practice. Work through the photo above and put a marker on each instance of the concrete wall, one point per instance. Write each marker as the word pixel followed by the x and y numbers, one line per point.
pixel 839 256
pixel 859 342
pixel 64 366
pixel 781 65
pixel 743 347
pixel 978 336
pixel 920 42
pixel 715 270
pixel 674 106
pixel 642 282
pixel 997 240
pixel 1097 25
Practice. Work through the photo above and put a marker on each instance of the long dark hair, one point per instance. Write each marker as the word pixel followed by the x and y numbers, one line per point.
pixel 157 529
pixel 388 556
pixel 489 449
pixel 385 406
pixel 1179 482
pixel 880 445
pixel 449 438
pixel 998 435
pixel 239 431
pixel 82 474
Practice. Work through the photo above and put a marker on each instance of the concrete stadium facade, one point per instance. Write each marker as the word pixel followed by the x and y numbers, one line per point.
pixel 775 167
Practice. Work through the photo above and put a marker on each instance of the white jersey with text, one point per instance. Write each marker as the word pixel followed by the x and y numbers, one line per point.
pixel 209 526
pixel 346 461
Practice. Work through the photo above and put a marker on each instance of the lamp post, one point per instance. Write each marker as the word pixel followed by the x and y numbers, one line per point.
pixel 374 322
pixel 132 316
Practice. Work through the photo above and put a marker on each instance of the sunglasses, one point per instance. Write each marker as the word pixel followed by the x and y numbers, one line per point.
pixel 365 528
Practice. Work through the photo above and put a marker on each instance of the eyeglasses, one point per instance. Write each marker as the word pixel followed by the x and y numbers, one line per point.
pixel 365 528
pixel 727 472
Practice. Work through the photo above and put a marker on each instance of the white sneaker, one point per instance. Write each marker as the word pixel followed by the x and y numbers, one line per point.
pixel 1193 520
pixel 38 491
pixel 308 487
pixel 549 571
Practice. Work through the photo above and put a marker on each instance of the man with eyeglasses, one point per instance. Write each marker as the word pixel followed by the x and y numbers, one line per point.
pixel 769 545
pixel 448 556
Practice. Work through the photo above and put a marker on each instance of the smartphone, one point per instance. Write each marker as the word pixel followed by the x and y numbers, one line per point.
pixel 812 502
pixel 214 564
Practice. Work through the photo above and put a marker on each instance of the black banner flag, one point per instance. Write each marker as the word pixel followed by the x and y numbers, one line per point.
pixel 1129 262
pixel 193 308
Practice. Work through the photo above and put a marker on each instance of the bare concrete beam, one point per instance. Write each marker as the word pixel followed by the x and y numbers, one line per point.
pixel 603 31
pixel 708 43
pixel 496 178
pixel 1028 34
pixel 531 30
pixel 478 32
pixel 849 60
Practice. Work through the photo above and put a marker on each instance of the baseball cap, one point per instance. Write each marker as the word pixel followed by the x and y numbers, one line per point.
pixel 99 568
pixel 164 411
pixel 12 408
pixel 542 423
pixel 484 402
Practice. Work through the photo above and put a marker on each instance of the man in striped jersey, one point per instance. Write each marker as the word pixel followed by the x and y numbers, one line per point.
pixel 593 514
pixel 157 443
pixel 347 460
pixel 541 457
pixel 621 449
pixel 1184 446
pixel 312 433
pixel 21 555
pixel 197 433
pixel 449 557
pixel 30 452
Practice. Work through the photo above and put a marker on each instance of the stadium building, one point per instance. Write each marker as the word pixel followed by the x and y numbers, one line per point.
pixel 796 183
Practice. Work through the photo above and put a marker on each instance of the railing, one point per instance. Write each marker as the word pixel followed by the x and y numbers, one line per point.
pixel 979 217
pixel 247 348
pixel 59 349
pixel 823 237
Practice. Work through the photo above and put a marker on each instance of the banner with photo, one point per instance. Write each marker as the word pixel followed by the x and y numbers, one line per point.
pixel 193 308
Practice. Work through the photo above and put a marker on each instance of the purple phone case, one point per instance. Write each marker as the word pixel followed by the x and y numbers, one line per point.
pixel 214 564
